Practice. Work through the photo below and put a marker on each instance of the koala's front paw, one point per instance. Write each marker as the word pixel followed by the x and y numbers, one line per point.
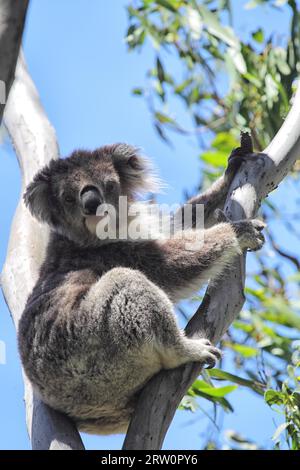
pixel 240 155
pixel 208 353
pixel 234 162
pixel 249 234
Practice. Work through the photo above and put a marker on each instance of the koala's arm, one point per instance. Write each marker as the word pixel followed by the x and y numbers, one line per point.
pixel 201 255
pixel 214 197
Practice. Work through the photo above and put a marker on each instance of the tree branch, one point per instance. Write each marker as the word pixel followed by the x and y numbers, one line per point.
pixel 12 19
pixel 293 259
pixel 35 144
pixel 223 301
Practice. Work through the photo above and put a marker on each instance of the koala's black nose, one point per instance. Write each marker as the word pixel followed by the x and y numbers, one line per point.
pixel 90 199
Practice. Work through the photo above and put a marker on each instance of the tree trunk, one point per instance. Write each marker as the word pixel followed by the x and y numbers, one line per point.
pixel 223 301
pixel 35 144
pixel 12 19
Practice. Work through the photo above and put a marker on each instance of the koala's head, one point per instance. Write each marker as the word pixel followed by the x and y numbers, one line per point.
pixel 67 193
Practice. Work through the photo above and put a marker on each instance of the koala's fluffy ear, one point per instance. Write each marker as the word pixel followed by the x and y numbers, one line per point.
pixel 37 196
pixel 135 171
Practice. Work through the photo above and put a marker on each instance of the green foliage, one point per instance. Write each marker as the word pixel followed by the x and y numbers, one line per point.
pixel 226 84
pixel 287 402
pixel 260 74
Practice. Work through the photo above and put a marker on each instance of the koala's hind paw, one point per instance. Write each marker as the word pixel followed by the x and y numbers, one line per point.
pixel 201 350
pixel 249 233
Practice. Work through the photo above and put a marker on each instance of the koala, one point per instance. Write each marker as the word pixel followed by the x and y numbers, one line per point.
pixel 100 320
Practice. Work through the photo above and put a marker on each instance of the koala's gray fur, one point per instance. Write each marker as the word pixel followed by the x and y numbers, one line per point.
pixel 100 321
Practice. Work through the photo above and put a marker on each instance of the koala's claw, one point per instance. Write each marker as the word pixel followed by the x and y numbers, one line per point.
pixel 258 224
pixel 248 231
pixel 209 354
pixel 249 234
pixel 236 158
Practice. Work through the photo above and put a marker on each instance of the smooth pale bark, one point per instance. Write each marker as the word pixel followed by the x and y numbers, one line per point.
pixel 35 144
pixel 12 19
pixel 223 301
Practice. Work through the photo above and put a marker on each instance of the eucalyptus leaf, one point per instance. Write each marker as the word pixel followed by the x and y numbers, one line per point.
pixel 272 397
pixel 168 4
pixel 219 392
pixel 221 374
pixel 243 350
pixel 258 35
pixel 214 27
pixel 281 428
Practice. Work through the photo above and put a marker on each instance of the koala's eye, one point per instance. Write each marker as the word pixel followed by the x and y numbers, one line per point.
pixel 110 186
pixel 69 199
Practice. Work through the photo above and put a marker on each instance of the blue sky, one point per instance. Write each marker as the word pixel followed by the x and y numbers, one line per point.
pixel 78 60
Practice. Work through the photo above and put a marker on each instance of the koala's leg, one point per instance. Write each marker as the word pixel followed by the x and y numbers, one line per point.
pixel 137 324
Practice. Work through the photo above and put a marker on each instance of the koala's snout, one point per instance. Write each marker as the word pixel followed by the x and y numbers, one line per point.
pixel 90 198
